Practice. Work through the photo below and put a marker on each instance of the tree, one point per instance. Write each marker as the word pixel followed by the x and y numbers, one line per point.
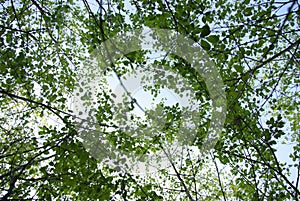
pixel 254 46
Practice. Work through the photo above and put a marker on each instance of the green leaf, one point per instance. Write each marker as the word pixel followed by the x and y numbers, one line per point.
pixel 205 45
pixel 213 39
pixel 205 31
pixel 248 11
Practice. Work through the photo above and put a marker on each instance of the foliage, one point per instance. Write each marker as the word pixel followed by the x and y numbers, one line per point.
pixel 255 46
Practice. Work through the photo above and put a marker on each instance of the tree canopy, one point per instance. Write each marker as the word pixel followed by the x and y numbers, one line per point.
pixel 46 46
